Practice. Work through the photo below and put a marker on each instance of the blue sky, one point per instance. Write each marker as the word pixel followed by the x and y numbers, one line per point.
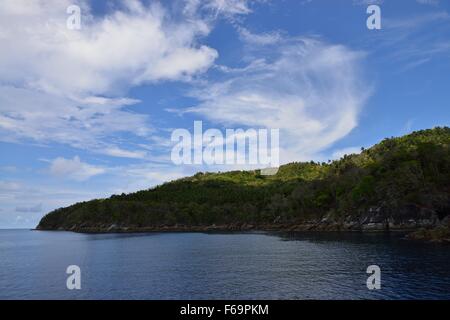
pixel 89 113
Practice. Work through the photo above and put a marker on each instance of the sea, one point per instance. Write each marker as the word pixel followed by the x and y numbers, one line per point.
pixel 255 265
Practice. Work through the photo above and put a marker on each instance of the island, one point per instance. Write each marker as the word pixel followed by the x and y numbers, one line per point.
pixel 399 184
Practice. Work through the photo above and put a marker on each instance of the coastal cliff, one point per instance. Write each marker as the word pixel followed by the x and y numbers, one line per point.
pixel 398 184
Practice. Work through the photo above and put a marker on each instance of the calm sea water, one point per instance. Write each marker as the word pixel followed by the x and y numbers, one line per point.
pixel 220 266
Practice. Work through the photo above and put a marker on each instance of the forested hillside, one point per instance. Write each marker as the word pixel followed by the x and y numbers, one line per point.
pixel 400 182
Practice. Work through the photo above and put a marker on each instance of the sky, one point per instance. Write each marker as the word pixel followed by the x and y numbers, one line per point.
pixel 87 113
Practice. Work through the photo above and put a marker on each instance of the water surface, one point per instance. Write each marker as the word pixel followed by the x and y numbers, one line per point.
pixel 220 266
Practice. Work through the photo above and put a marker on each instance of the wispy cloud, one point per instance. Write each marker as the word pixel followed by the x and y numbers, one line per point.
pixel 337 154
pixel 311 90
pixel 218 7
pixel 428 2
pixel 259 39
pixel 35 116
pixel 408 41
pixel 74 169
pixel 229 6
pixel 35 208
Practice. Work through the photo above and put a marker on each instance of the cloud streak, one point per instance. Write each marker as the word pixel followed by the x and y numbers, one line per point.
pixel 311 90
pixel 74 169
pixel 35 208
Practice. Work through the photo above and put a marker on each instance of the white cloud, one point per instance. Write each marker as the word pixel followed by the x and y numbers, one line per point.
pixel 74 169
pixel 35 116
pixel 134 46
pixel 218 7
pixel 143 176
pixel 259 39
pixel 312 91
pixel 117 152
pixel 61 85
pixel 337 154
pixel 229 6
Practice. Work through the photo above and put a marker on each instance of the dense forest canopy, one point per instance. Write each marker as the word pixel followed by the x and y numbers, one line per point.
pixel 409 173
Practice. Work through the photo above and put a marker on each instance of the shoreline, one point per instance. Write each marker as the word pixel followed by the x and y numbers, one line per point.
pixel 411 232
pixel 307 226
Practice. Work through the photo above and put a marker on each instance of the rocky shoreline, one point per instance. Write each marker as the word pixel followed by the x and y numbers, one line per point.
pixel 418 223
pixel 424 230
